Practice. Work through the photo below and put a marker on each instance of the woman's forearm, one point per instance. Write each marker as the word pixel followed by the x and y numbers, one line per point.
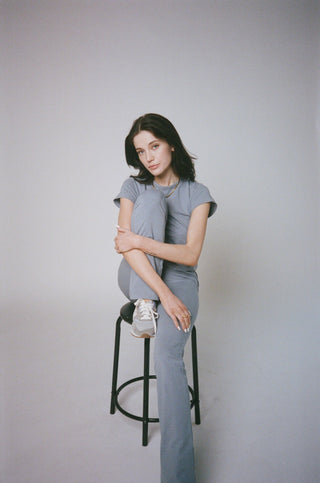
pixel 183 254
pixel 141 265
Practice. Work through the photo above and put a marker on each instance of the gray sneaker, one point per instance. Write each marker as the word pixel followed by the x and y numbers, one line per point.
pixel 144 319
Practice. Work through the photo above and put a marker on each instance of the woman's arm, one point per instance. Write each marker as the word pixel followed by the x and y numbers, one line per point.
pixel 139 262
pixel 187 254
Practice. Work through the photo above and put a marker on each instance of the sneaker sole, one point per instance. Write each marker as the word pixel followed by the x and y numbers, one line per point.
pixel 143 336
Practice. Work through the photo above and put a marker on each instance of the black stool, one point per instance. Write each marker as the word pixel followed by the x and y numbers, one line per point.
pixel 126 313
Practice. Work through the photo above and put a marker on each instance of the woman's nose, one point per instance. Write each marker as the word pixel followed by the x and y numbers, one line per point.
pixel 149 156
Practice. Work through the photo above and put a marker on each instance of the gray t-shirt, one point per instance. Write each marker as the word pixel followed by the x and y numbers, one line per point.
pixel 187 196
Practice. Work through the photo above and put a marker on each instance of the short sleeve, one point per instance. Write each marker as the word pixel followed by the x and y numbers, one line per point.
pixel 200 195
pixel 128 190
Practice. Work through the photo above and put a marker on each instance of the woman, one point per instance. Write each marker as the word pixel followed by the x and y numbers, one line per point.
pixel 162 225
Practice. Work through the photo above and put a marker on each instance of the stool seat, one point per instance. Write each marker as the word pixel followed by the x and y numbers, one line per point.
pixel 126 313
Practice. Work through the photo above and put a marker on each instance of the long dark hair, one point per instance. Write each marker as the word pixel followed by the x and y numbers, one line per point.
pixel 162 128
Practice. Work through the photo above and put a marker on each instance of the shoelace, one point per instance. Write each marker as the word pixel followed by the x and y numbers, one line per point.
pixel 146 310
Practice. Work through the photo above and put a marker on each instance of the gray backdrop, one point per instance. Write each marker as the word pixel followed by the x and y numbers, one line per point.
pixel 239 81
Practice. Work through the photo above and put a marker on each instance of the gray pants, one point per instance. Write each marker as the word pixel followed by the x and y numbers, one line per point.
pixel 177 458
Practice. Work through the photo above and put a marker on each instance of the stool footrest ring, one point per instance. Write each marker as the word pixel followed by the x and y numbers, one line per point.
pixel 127 413
pixel 135 416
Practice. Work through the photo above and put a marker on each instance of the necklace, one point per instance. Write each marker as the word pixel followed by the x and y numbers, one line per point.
pixel 171 192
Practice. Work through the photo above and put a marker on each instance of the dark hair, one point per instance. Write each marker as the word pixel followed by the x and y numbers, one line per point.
pixel 162 128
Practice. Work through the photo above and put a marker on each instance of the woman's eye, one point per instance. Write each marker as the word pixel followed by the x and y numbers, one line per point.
pixel 155 146
pixel 139 153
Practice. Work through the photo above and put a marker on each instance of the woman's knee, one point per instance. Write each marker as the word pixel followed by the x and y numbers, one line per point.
pixel 149 215
pixel 169 347
pixel 151 201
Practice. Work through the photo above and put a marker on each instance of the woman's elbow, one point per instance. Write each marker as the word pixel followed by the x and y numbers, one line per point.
pixel 191 258
pixel 192 261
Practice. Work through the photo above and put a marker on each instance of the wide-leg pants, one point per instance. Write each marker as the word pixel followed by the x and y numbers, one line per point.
pixel 177 456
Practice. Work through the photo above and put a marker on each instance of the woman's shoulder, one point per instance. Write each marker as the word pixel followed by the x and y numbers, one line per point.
pixel 133 185
pixel 195 186
pixel 199 193
pixel 134 182
pixel 130 181
pixel 130 189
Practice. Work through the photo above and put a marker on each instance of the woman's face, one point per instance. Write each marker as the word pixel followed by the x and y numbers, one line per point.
pixel 155 154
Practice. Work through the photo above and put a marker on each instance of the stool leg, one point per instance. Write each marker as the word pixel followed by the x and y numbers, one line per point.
pixel 146 392
pixel 115 365
pixel 195 375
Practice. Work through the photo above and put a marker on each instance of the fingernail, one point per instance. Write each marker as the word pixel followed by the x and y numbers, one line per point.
pixel 178 328
pixel 186 330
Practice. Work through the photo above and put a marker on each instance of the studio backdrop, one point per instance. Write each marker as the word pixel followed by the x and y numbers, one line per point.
pixel 239 81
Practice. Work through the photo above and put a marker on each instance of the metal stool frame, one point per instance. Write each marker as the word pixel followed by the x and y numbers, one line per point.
pixel 126 315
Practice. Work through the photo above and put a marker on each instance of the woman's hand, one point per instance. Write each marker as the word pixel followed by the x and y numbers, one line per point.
pixel 176 309
pixel 125 240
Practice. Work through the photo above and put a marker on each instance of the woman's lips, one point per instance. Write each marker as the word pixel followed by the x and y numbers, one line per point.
pixel 154 166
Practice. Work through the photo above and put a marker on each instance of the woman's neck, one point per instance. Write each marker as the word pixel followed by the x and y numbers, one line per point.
pixel 167 179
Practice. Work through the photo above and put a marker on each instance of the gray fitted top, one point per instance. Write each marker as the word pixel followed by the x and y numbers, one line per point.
pixel 187 196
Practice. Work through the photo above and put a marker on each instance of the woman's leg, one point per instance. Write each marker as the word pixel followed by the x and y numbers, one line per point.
pixel 177 456
pixel 177 460
pixel 149 218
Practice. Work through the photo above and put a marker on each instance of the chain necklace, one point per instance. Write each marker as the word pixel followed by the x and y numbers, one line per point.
pixel 171 192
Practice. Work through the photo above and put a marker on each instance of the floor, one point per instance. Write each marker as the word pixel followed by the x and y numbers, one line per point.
pixel 56 368
pixel 57 425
